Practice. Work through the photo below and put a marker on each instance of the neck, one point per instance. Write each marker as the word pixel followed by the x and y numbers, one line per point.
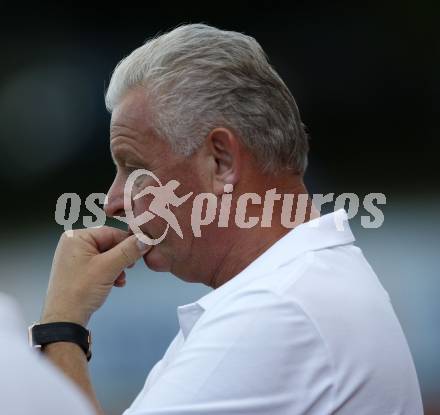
pixel 246 245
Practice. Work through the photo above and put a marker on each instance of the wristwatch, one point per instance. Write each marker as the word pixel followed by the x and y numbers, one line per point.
pixel 42 334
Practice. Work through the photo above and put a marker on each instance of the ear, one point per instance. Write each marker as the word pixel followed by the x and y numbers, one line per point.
pixel 224 148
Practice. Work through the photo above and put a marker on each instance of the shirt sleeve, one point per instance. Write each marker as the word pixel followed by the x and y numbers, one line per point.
pixel 259 355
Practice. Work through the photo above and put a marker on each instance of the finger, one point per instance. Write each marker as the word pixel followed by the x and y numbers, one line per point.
pixel 121 284
pixel 115 260
pixel 106 237
pixel 121 277
pixel 121 280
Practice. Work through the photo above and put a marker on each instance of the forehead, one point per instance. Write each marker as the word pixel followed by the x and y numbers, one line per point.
pixel 131 132
pixel 132 112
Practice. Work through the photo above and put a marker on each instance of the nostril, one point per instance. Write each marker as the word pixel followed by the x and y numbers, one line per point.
pixel 120 213
pixel 113 209
pixel 113 206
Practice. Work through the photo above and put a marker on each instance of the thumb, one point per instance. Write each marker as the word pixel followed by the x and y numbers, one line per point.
pixel 127 252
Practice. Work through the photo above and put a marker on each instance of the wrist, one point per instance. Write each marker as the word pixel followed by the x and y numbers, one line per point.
pixel 42 335
pixel 63 347
pixel 54 317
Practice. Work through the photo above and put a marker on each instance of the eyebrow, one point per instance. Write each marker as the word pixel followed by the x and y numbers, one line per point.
pixel 117 151
pixel 121 153
pixel 121 157
pixel 115 160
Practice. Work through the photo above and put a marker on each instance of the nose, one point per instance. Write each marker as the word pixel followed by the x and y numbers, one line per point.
pixel 114 204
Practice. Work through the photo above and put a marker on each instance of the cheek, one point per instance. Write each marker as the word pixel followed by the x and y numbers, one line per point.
pixel 183 217
pixel 153 227
pixel 183 211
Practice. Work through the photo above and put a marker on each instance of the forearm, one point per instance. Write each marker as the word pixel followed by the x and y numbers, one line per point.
pixel 85 267
pixel 70 358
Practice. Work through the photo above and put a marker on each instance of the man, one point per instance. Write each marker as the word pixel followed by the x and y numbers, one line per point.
pixel 298 322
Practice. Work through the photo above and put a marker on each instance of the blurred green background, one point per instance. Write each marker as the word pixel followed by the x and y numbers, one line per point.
pixel 366 81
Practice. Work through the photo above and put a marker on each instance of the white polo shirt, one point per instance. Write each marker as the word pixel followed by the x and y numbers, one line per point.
pixel 306 328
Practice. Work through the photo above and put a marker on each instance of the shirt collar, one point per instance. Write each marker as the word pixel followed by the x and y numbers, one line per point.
pixel 326 231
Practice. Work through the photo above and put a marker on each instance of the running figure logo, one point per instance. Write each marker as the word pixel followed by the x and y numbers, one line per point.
pixel 163 197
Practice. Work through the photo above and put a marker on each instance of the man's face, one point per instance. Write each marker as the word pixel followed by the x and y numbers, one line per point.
pixel 134 146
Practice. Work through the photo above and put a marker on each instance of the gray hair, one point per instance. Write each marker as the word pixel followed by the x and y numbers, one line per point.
pixel 199 77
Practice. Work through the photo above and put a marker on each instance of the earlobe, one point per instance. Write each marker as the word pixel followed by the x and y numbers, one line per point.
pixel 225 150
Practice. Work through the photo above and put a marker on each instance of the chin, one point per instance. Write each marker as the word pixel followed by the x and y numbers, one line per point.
pixel 156 261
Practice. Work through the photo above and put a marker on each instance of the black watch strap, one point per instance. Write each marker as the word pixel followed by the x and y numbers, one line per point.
pixel 42 334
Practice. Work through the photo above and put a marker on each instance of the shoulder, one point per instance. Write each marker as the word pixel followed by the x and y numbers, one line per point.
pixel 263 314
